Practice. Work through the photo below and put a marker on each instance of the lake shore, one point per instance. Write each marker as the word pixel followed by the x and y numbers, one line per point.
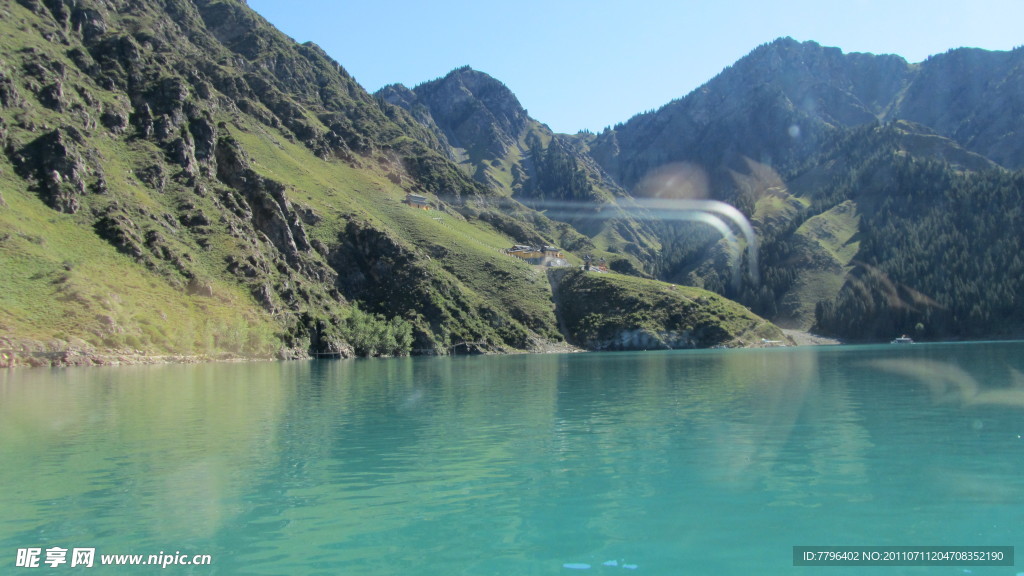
pixel 63 354
pixel 802 338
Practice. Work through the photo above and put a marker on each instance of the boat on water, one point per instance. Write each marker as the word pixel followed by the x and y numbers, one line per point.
pixel 902 340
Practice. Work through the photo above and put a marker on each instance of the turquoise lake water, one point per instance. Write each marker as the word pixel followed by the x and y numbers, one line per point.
pixel 674 463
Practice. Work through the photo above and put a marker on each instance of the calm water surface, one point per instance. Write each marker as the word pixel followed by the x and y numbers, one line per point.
pixel 701 462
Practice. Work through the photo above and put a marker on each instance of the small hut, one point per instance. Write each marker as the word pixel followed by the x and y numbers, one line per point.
pixel 416 201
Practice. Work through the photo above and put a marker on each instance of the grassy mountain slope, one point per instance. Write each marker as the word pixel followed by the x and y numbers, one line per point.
pixel 780 135
pixel 179 178
pixel 870 255
pixel 246 192
pixel 616 312
pixel 824 247
pixel 937 254
pixel 58 285
pixel 783 133
pixel 482 125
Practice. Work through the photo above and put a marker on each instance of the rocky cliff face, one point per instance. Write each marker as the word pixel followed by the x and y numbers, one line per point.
pixel 973 97
pixel 779 105
pixel 470 110
pixel 248 180
pixel 482 125
pixel 479 123
pixel 778 133
pixel 743 137
pixel 775 106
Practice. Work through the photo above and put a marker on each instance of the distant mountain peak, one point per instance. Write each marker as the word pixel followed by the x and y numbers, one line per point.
pixel 468 109
pixel 491 92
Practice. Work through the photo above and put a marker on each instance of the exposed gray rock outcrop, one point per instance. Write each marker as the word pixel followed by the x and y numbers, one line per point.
pixel 59 164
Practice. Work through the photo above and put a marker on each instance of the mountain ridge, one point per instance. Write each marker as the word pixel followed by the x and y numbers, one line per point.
pixel 253 196
pixel 772 121
pixel 250 196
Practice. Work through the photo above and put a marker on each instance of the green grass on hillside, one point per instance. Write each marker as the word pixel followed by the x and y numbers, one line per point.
pixel 613 311
pixel 826 244
pixel 834 231
pixel 468 253
pixel 62 282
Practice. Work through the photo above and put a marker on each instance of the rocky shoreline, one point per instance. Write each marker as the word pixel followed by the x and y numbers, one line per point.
pixel 76 353
pixel 802 338
pixel 63 354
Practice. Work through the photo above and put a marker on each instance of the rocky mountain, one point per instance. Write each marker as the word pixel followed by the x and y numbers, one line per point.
pixel 783 131
pixel 898 229
pixel 486 130
pixel 974 97
pixel 778 104
pixel 779 135
pixel 246 189
pixel 178 178
pixel 474 115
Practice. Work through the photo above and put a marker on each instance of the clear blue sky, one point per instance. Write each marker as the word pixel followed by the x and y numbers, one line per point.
pixel 587 64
